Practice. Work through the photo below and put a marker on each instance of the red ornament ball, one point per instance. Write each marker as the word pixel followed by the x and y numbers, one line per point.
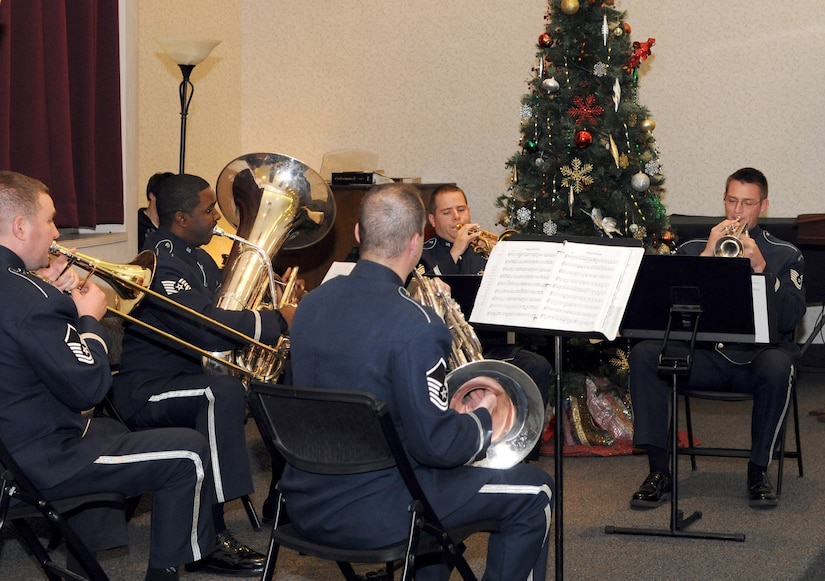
pixel 626 27
pixel 583 139
pixel 544 39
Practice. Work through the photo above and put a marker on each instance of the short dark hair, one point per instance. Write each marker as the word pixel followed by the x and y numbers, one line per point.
pixel 19 195
pixel 390 214
pixel 749 175
pixel 155 181
pixel 443 189
pixel 178 193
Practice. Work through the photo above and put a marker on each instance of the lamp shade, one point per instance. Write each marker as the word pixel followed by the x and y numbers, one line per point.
pixel 187 51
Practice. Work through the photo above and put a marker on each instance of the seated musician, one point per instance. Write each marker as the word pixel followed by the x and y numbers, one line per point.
pixel 450 251
pixel 364 332
pixel 764 371
pixel 164 384
pixel 54 365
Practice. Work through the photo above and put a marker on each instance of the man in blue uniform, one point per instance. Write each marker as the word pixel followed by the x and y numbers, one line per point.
pixel 766 372
pixel 147 218
pixel 54 366
pixel 161 383
pixel 450 251
pixel 365 332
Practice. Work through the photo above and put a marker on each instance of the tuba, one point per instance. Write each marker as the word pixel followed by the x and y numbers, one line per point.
pixel 518 419
pixel 273 201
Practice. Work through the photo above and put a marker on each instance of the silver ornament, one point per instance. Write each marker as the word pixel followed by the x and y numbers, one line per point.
pixel 550 85
pixel 640 182
pixel 550 228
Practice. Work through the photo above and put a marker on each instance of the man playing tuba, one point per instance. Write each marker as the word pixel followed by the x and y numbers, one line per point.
pixel 163 384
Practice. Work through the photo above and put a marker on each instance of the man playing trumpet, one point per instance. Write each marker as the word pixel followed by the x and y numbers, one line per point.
pixel 451 251
pixel 765 371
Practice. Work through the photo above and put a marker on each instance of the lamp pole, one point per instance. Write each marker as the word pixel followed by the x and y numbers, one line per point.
pixel 187 90
pixel 186 53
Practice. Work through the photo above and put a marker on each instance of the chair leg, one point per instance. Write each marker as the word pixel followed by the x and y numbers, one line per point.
pixel 250 512
pixel 689 427
pixel 796 432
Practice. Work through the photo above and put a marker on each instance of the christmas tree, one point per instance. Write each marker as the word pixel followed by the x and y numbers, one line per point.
pixel 588 163
pixel 588 166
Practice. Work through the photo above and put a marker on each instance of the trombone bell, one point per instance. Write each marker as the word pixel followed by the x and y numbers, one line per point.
pixel 124 279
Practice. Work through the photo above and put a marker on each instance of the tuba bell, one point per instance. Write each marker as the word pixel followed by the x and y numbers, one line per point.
pixel 273 201
pixel 518 419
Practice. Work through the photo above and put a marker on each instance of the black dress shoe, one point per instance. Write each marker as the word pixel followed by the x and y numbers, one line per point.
pixel 760 492
pixel 231 558
pixel 268 511
pixel 653 491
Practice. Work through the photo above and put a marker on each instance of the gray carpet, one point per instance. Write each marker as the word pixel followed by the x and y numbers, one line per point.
pixel 785 543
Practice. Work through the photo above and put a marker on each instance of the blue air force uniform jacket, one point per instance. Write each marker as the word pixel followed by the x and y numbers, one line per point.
pixel 364 332
pixel 437 260
pixel 189 276
pixel 54 366
pixel 785 262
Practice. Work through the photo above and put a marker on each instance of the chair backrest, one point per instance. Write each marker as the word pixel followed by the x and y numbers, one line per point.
pixel 326 431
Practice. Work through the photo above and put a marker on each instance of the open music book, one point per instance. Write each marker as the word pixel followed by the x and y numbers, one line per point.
pixel 558 285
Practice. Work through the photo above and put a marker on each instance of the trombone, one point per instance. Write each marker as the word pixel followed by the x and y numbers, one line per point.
pixel 131 283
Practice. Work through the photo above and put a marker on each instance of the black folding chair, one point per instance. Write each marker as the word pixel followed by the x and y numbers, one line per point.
pixel 338 432
pixel 21 500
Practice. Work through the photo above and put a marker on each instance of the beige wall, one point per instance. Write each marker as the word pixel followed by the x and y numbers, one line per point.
pixel 434 88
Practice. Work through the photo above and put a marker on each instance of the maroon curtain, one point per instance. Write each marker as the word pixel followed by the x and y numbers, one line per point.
pixel 60 104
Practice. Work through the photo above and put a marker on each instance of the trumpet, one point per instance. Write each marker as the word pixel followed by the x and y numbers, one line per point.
pixel 729 245
pixel 486 240
pixel 130 283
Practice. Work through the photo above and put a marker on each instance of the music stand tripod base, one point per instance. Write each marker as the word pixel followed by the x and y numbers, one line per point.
pixel 686 317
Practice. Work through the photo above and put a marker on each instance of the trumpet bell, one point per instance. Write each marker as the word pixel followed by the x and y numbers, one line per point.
pixel 518 420
pixel 729 247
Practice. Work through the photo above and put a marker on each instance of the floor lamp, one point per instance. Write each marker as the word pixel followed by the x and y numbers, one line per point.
pixel 186 53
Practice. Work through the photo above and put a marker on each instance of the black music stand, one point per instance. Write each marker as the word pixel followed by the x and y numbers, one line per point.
pixel 697 284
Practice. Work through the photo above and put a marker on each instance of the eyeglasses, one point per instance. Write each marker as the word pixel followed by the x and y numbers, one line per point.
pixel 747 203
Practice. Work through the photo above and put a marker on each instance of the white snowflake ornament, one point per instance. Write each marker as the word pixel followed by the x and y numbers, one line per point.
pixel 523 215
pixel 550 228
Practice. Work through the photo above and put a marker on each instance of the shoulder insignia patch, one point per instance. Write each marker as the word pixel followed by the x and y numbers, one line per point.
pixel 436 386
pixel 796 279
pixel 175 286
pixel 78 346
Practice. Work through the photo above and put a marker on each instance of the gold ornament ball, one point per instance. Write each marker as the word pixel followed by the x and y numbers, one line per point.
pixel 647 125
pixel 569 6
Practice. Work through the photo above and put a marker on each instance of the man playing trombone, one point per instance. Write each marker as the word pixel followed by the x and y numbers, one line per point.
pixel 55 364
pixel 161 383
pixel 765 371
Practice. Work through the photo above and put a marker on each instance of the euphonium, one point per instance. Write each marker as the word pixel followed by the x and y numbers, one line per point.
pixel 484 243
pixel 518 419
pixel 729 245
pixel 273 201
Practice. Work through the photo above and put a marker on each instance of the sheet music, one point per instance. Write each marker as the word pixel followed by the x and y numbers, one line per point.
pixel 338 269
pixel 575 287
pixel 762 332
